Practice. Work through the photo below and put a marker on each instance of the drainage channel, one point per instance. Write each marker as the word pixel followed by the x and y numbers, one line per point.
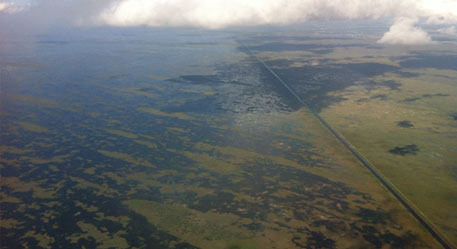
pixel 420 217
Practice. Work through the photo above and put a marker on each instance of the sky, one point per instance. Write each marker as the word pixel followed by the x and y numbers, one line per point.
pixel 407 16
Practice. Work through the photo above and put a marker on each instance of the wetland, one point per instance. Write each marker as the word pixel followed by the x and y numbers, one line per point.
pixel 167 139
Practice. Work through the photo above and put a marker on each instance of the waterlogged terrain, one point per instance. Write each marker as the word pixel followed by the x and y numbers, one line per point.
pixel 145 138
pixel 395 104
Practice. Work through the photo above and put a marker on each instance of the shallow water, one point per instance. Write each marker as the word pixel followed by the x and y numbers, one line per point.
pixel 150 138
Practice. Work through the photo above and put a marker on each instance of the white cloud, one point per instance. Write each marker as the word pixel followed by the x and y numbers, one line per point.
pixel 404 32
pixel 438 11
pixel 225 13
pixel 448 30
pixel 10 8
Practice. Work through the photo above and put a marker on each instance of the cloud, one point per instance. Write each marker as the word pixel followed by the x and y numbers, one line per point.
pixel 10 8
pixel 439 12
pixel 448 30
pixel 216 14
pixel 404 32
pixel 224 13
pixel 3 6
pixel 39 15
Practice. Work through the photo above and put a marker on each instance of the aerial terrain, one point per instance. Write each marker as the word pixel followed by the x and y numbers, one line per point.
pixel 300 136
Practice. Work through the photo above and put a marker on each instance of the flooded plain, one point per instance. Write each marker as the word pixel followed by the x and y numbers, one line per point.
pixel 151 138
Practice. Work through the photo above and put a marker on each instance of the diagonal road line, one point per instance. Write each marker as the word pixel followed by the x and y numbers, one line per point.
pixel 419 215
